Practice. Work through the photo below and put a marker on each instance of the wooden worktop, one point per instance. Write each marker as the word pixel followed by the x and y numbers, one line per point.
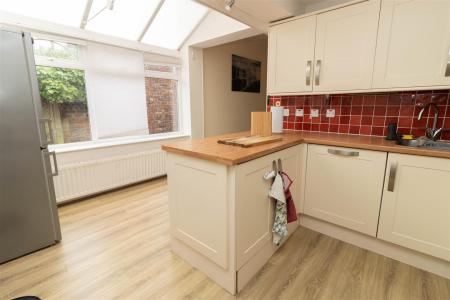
pixel 209 149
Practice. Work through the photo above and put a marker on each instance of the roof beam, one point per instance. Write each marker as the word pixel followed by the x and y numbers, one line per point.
pixel 38 26
pixel 150 21
pixel 87 10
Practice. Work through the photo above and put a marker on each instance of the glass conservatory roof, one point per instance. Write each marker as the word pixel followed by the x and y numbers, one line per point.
pixel 164 23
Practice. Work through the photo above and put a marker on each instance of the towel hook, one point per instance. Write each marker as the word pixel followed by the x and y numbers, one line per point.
pixel 280 166
pixel 274 166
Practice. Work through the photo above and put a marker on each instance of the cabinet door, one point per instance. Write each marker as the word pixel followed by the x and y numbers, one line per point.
pixel 344 186
pixel 254 208
pixel 345 47
pixel 413 44
pixel 415 210
pixel 294 165
pixel 291 55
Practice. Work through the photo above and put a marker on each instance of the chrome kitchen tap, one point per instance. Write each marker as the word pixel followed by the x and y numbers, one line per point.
pixel 431 133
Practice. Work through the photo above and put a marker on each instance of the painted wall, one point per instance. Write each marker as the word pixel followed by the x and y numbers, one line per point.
pixel 215 25
pixel 226 111
pixel 192 77
pixel 215 29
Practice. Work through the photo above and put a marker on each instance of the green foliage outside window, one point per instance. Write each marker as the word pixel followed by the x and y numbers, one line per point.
pixel 61 85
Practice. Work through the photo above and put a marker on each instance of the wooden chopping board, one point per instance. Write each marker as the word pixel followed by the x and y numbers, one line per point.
pixel 249 141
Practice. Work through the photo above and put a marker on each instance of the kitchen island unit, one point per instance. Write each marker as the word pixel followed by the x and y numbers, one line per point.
pixel 221 215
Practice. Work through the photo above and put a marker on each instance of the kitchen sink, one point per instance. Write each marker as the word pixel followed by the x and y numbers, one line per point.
pixel 425 143
pixel 436 145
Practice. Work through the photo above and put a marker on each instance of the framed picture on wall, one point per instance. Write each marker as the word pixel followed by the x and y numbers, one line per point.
pixel 245 75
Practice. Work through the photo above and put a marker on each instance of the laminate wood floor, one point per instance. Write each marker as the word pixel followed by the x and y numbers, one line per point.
pixel 116 246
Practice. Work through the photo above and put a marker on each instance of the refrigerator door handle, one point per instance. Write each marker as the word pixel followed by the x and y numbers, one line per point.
pixel 48 137
pixel 55 163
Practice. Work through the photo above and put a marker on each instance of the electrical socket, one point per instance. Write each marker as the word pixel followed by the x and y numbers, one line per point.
pixel 286 112
pixel 314 113
pixel 331 113
pixel 299 112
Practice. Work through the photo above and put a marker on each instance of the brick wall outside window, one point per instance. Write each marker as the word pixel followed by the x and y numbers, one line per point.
pixel 162 111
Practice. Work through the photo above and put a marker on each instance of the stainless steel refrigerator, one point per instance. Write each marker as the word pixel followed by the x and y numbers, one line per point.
pixel 28 214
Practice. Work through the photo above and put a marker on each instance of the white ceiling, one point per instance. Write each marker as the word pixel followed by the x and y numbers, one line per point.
pixel 259 13
pixel 269 10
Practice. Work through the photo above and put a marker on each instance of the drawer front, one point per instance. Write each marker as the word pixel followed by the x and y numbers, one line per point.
pixel 344 186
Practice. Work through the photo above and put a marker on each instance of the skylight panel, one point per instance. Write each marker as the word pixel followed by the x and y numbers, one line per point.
pixel 174 22
pixel 126 20
pixel 66 12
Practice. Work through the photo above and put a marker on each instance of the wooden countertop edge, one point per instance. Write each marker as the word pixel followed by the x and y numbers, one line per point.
pixel 308 140
pixel 228 162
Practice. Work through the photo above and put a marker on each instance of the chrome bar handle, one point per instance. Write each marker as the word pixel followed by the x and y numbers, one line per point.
pixel 447 69
pixel 55 163
pixel 317 71
pixel 343 152
pixel 308 72
pixel 391 179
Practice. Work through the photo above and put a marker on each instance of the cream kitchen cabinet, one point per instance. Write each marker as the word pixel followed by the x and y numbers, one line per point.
pixel 291 55
pixel 345 47
pixel 254 209
pixel 344 186
pixel 415 209
pixel 331 51
pixel 221 216
pixel 413 44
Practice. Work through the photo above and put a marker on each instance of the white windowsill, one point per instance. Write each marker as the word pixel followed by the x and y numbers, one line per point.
pixel 62 148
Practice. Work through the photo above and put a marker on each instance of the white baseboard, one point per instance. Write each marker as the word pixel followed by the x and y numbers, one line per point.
pixel 404 255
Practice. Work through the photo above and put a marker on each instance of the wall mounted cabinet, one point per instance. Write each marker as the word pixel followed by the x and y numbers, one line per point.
pixel 415 210
pixel 291 56
pixel 330 51
pixel 413 44
pixel 370 45
pixel 345 47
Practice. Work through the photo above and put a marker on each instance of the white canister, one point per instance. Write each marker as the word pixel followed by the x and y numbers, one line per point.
pixel 277 118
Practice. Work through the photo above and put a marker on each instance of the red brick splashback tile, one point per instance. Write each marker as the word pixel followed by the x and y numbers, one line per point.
pixel 366 114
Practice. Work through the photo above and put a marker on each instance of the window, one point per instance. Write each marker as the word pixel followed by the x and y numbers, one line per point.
pixel 120 108
pixel 162 92
pixel 63 90
pixel 121 104
pixel 174 22
pixel 47 52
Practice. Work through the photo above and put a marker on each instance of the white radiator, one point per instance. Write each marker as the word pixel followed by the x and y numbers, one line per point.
pixel 87 178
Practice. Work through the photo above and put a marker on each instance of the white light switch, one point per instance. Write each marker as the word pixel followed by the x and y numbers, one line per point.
pixel 331 113
pixel 299 112
pixel 314 113
pixel 286 112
